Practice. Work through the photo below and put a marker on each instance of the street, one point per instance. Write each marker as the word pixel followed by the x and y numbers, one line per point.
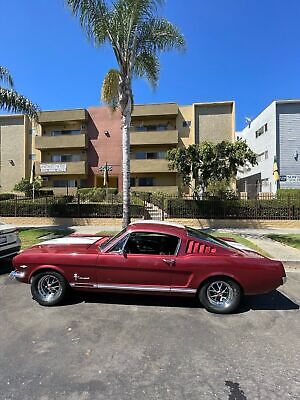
pixel 140 347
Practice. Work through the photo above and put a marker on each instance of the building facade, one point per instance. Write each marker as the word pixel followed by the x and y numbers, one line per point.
pixel 72 148
pixel 274 135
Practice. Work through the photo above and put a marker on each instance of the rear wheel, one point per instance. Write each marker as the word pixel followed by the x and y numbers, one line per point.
pixel 48 288
pixel 220 295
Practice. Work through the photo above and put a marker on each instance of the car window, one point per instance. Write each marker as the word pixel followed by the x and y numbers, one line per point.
pixel 194 233
pixel 105 244
pixel 151 243
pixel 119 245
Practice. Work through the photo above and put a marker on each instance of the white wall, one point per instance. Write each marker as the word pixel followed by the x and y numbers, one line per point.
pixel 265 142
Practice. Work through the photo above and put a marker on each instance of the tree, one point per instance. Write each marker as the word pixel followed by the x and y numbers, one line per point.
pixel 24 186
pixel 137 35
pixel 209 162
pixel 12 101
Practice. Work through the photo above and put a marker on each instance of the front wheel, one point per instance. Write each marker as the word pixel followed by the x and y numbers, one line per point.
pixel 220 295
pixel 48 288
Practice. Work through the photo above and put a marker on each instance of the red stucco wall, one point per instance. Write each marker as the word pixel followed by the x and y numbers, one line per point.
pixel 103 147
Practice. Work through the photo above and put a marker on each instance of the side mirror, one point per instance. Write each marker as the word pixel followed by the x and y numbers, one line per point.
pixel 122 253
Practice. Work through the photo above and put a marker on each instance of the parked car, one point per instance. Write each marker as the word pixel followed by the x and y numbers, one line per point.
pixel 10 242
pixel 147 257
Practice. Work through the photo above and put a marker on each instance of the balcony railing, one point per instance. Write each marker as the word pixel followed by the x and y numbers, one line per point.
pixel 154 137
pixel 61 142
pixel 149 166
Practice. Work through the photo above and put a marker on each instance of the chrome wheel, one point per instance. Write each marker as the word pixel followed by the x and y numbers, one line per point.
pixel 49 288
pixel 220 294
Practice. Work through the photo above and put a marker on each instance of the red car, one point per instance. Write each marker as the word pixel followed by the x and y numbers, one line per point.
pixel 148 257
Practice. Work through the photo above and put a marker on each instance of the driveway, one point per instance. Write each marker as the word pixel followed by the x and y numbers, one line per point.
pixel 131 347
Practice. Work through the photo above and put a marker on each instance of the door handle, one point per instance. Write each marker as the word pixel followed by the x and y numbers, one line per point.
pixel 170 262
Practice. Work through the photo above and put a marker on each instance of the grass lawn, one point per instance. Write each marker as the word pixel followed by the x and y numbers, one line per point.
pixel 29 237
pixel 292 240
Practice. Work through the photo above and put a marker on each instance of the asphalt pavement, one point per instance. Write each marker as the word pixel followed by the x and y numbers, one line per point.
pixel 122 347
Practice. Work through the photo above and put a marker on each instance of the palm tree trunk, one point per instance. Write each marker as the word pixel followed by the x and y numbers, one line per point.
pixel 126 121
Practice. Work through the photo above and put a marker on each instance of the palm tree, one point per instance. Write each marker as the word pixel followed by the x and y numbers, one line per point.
pixel 12 101
pixel 136 35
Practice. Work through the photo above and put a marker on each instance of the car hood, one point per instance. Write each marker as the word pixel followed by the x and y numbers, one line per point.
pixel 68 244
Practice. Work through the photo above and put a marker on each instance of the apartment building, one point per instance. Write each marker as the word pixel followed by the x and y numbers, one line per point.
pixel 156 128
pixel 274 135
pixel 72 148
pixel 15 150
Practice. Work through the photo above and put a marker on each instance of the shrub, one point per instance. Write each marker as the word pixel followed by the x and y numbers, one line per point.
pixel 7 196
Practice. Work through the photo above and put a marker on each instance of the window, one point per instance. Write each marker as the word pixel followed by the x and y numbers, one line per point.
pixel 111 240
pixel 119 245
pixel 146 182
pixel 194 233
pixel 32 157
pixel 142 155
pixel 65 157
pixel 63 183
pixel 261 130
pixel 151 243
pixel 186 124
pixel 132 182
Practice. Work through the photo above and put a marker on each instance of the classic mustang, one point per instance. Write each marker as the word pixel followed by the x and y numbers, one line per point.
pixel 148 257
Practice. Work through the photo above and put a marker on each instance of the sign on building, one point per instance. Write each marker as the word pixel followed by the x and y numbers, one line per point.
pixel 46 168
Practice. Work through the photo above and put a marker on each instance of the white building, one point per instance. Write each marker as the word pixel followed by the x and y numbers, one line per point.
pixel 273 135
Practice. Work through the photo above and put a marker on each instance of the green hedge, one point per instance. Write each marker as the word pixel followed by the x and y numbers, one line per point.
pixel 66 210
pixel 232 209
pixel 7 196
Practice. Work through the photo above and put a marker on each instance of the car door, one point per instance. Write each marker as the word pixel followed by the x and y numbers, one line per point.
pixel 139 261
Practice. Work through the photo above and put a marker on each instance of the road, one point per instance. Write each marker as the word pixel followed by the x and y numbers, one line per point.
pixel 135 347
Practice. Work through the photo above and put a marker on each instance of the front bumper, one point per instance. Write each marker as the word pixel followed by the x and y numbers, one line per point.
pixel 284 279
pixel 17 274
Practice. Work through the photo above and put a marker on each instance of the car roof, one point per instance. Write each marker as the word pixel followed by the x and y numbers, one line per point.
pixel 160 226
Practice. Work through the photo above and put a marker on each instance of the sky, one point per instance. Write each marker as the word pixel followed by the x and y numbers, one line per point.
pixel 242 50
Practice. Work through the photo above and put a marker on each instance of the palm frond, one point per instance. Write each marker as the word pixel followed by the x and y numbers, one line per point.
pixel 5 77
pixel 147 66
pixel 93 16
pixel 110 88
pixel 12 101
pixel 158 34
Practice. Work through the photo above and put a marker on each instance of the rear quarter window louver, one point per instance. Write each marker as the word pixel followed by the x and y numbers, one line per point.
pixel 198 248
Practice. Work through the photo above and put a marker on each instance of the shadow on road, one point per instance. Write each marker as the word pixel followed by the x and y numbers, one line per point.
pixel 5 267
pixel 271 301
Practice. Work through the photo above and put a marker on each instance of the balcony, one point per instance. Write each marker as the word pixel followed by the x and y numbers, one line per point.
pixel 49 117
pixel 61 168
pixel 150 110
pixel 154 137
pixel 61 142
pixel 149 166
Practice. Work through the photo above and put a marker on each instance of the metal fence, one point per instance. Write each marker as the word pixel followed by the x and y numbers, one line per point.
pixel 152 206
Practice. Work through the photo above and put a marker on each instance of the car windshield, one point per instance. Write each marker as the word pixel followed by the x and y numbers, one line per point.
pixel 207 238
pixel 107 242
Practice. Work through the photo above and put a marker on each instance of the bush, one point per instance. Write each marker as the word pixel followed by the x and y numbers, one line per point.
pixel 96 194
pixel 7 196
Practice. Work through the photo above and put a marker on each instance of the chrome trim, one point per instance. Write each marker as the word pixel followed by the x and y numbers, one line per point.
pixel 284 279
pixel 183 290
pixel 17 274
pixel 133 288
